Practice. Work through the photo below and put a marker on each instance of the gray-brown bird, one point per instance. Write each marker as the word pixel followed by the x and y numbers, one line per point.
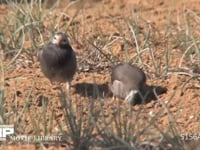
pixel 58 60
pixel 127 81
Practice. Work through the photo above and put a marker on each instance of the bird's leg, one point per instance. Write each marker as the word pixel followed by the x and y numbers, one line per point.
pixel 68 88
pixel 113 97
pixel 68 85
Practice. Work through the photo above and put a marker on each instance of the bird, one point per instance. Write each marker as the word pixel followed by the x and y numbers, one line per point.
pixel 127 82
pixel 58 60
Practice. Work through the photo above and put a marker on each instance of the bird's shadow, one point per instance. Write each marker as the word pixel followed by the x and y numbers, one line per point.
pixel 92 90
pixel 152 93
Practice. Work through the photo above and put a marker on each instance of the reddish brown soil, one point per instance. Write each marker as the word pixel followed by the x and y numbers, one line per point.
pixel 102 18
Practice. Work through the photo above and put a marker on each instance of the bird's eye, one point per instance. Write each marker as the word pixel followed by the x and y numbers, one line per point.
pixel 64 40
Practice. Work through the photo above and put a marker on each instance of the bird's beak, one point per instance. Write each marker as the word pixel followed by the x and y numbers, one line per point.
pixel 59 40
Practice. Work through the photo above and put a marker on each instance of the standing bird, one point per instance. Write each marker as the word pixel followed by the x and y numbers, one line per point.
pixel 127 81
pixel 58 60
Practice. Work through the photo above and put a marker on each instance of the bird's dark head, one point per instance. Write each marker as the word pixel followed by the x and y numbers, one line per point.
pixel 60 39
